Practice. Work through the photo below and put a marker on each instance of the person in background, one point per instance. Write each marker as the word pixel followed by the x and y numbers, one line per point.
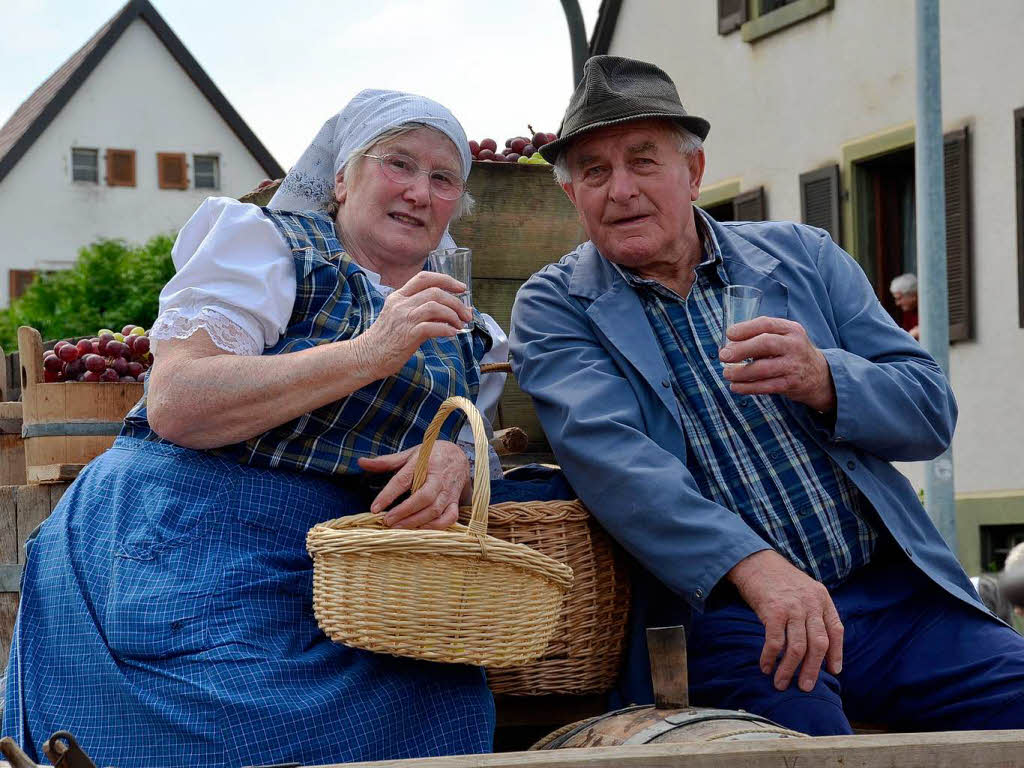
pixel 166 611
pixel 758 501
pixel 904 293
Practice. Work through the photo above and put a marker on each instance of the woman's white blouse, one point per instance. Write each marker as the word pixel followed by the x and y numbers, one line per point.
pixel 235 279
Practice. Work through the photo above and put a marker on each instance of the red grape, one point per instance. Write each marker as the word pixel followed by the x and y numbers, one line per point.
pixel 141 376
pixel 474 147
pixel 119 364
pixel 105 338
pixel 134 369
pixel 128 329
pixel 141 345
pixel 485 154
pixel 128 378
pixel 512 156
pixel 67 353
pixel 529 150
pixel 116 349
pixel 52 377
pixel 84 347
pixel 110 375
pixel 95 363
pixel 539 139
pixel 91 376
pixel 490 144
pixel 74 369
pixel 517 144
pixel 53 363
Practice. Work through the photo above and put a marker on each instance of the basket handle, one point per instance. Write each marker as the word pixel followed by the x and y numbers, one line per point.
pixel 481 475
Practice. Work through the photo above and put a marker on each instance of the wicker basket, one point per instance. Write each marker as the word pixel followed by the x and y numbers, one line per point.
pixel 585 652
pixel 456 595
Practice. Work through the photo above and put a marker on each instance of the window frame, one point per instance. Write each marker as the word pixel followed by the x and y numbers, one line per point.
pixel 216 171
pixel 763 24
pixel 1018 141
pixel 96 165
pixel 113 181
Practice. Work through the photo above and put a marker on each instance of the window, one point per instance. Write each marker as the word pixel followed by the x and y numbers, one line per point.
pixel 171 170
pixel 121 167
pixel 746 206
pixel 769 16
pixel 885 220
pixel 19 280
pixel 206 169
pixel 731 15
pixel 996 543
pixel 85 165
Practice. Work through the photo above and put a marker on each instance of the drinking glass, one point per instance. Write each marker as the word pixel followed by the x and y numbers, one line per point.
pixel 458 263
pixel 739 303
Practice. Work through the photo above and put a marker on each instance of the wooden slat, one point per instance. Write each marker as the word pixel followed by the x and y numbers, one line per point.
pixel 962 749
pixel 34 506
pixel 9 546
pixel 53 473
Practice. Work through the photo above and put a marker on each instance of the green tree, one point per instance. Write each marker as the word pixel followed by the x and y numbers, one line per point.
pixel 112 284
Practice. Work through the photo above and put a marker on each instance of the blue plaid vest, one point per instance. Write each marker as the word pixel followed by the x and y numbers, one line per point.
pixel 334 301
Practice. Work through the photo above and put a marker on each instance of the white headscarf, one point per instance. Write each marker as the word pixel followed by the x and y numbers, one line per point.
pixel 309 185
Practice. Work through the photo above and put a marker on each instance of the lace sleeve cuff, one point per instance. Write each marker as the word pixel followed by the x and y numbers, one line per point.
pixel 225 333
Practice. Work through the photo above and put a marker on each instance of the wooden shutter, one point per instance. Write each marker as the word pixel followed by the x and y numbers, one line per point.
pixel 731 15
pixel 750 206
pixel 121 167
pixel 172 170
pixel 1018 140
pixel 19 280
pixel 958 234
pixel 819 200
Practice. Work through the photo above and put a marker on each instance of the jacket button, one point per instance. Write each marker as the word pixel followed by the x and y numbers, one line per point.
pixel 664 383
pixel 699 593
pixel 909 551
pixel 851 465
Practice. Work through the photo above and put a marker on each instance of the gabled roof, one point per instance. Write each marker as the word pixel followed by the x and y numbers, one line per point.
pixel 37 112
pixel 604 28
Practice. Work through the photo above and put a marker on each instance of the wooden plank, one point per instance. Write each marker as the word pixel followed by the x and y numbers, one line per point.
pixel 667 649
pixel 9 546
pixel 53 473
pixel 34 506
pixel 959 749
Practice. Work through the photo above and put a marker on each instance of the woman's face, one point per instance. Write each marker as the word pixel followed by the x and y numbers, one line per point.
pixel 905 301
pixel 385 221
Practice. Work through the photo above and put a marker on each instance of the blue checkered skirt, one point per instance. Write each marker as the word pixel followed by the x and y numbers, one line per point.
pixel 166 619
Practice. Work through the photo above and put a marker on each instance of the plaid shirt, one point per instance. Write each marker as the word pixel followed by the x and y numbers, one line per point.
pixel 746 452
pixel 334 300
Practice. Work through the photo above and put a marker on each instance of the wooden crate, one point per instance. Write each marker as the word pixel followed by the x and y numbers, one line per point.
pixel 66 425
pixel 12 452
pixel 522 221
pixel 22 508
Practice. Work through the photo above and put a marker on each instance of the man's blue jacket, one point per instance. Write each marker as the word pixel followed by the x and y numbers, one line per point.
pixel 583 349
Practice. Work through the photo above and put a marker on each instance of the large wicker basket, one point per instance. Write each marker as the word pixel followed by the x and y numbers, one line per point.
pixel 585 651
pixel 456 595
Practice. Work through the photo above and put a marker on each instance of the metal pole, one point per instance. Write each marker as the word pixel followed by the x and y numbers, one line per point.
pixel 931 247
pixel 578 38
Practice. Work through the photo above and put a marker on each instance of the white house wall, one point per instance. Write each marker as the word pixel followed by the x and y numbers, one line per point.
pixel 138 97
pixel 787 103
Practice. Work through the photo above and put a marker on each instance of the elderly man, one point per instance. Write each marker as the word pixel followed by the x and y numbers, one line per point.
pixel 757 500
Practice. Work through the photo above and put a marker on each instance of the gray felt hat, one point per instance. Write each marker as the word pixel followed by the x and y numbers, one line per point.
pixel 617 90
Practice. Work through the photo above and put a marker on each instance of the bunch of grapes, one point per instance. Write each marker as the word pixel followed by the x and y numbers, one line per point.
pixel 108 356
pixel 518 149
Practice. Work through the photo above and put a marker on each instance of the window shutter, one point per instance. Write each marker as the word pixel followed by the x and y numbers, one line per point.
pixel 1018 138
pixel 819 200
pixel 958 234
pixel 121 167
pixel 19 280
pixel 750 206
pixel 731 15
pixel 172 170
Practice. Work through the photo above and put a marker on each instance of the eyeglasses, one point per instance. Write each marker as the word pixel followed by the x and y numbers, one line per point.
pixel 403 169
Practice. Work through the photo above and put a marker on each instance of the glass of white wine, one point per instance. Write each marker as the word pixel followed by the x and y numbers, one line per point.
pixel 739 304
pixel 457 263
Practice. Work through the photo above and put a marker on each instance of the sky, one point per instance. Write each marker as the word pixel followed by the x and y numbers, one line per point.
pixel 499 65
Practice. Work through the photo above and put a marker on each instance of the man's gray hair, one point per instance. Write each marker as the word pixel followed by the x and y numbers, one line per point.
pixel 906 283
pixel 355 160
pixel 689 143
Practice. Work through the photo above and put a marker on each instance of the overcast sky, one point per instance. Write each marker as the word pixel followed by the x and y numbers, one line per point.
pixel 497 64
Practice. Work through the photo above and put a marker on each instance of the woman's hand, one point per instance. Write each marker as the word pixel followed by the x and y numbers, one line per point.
pixel 436 504
pixel 423 308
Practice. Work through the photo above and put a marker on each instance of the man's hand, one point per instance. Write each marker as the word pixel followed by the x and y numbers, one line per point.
pixel 797 613
pixel 785 363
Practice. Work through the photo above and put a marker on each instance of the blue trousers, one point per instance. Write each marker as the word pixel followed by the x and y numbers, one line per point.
pixel 914 659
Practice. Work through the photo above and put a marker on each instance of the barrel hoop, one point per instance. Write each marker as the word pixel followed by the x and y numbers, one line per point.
pixel 71 429
pixel 569 731
pixel 690 717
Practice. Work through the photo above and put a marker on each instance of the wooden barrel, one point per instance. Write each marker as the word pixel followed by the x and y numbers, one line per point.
pixel 649 725
pixel 65 425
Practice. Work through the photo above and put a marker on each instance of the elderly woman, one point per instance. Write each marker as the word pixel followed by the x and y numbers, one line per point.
pixel 166 612
pixel 904 293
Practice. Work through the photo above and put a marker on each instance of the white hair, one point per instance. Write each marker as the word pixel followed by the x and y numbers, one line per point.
pixel 1015 557
pixel 355 160
pixel 906 283
pixel 689 144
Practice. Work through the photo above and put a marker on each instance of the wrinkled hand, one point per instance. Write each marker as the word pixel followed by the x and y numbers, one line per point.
pixel 786 362
pixel 798 616
pixel 423 308
pixel 436 504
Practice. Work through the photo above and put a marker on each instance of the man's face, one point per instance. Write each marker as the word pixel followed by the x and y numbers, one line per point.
pixel 634 191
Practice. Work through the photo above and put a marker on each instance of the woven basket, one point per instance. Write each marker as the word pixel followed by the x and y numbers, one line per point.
pixel 456 595
pixel 585 651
